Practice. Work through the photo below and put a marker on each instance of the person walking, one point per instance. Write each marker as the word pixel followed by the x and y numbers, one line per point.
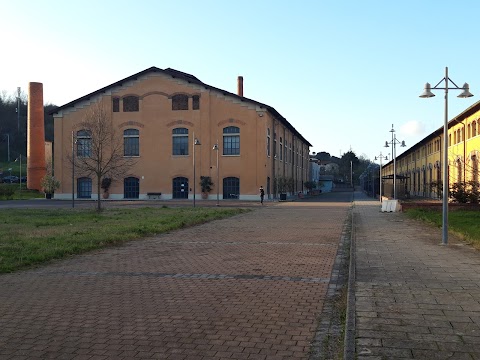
pixel 262 194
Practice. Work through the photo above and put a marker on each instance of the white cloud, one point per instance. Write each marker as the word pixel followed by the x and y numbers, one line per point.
pixel 412 128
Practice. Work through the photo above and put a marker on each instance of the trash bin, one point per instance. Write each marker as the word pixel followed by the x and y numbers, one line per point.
pixel 283 197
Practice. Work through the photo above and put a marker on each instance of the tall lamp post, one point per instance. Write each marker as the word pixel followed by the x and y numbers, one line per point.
pixel 381 158
pixel 20 159
pixel 195 143
pixel 394 143
pixel 351 175
pixel 427 93
pixel 216 149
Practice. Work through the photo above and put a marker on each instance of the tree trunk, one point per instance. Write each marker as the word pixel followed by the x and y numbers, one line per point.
pixel 99 198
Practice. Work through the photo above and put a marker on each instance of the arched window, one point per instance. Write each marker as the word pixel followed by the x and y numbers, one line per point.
pixel 290 159
pixel 286 151
pixel 231 140
pixel 474 128
pixel 131 142
pixel 180 141
pixel 455 137
pixel 84 143
pixel 275 150
pixel 459 171
pixel 131 103
pixel 281 149
pixel 469 131
pixel 268 142
pixel 84 188
pixel 449 139
pixel 475 168
pixel 180 102
pixel 231 188
pixel 180 188
pixel 131 188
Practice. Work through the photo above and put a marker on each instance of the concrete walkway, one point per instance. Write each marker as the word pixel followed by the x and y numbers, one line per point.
pixel 249 287
pixel 415 299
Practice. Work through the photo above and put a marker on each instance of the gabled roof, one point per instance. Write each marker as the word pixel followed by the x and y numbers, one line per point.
pixel 188 78
pixel 454 121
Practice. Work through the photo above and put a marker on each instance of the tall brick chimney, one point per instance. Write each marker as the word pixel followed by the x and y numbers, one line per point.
pixel 36 165
pixel 240 86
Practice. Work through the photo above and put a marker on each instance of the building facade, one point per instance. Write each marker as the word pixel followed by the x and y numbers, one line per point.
pixel 420 168
pixel 174 126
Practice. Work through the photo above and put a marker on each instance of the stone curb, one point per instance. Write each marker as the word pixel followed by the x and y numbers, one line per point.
pixel 349 341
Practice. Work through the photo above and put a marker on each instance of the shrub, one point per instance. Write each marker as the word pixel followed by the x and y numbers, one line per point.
pixel 206 184
pixel 106 182
pixel 49 184
pixel 6 192
pixel 310 185
pixel 465 192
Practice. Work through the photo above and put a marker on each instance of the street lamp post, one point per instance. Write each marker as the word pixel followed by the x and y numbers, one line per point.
pixel 381 157
pixel 20 160
pixel 195 143
pixel 351 175
pixel 216 149
pixel 427 93
pixel 394 143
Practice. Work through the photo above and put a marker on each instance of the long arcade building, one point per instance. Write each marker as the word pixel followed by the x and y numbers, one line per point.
pixel 161 114
pixel 420 168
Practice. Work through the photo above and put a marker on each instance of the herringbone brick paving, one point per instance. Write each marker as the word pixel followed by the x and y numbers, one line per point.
pixel 248 287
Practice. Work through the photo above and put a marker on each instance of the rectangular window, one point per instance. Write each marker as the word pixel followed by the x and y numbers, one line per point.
pixel 180 145
pixel 84 188
pixel 180 102
pixel 84 147
pixel 115 104
pixel 131 146
pixel 231 145
pixel 196 102
pixel 131 104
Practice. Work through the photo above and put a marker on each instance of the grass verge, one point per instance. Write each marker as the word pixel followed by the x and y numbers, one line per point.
pixel 17 194
pixel 32 237
pixel 462 223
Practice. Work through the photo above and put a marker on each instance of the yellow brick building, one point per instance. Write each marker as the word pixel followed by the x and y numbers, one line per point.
pixel 420 167
pixel 159 113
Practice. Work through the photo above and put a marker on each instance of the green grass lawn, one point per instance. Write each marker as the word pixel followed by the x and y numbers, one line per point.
pixel 32 237
pixel 461 222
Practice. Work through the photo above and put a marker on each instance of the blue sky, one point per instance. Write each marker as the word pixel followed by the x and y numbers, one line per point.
pixel 341 72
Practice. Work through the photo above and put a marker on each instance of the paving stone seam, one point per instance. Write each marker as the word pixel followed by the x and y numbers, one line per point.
pixel 189 276
pixel 244 243
pixel 327 330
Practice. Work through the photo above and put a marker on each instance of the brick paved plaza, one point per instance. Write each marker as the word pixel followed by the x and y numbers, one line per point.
pixel 248 287
pixel 415 299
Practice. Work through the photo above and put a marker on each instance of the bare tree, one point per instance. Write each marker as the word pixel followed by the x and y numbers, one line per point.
pixel 101 152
